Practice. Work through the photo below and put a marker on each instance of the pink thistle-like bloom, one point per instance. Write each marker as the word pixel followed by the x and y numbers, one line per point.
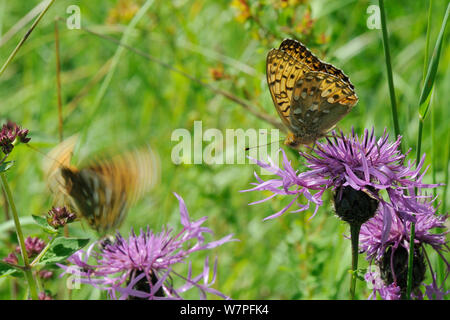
pixel 386 292
pixel 435 292
pixel 351 166
pixel 141 267
pixel 388 251
pixel 365 164
pixel 374 244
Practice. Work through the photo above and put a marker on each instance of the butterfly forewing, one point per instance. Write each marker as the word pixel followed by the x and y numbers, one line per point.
pixel 302 54
pixel 282 72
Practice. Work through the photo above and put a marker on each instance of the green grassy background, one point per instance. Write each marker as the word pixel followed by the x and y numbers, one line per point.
pixel 291 257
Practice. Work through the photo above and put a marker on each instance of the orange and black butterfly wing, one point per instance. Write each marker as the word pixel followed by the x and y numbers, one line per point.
pixel 319 101
pixel 310 96
pixel 109 187
pixel 98 202
pixel 103 190
pixel 282 71
pixel 303 55
pixel 59 157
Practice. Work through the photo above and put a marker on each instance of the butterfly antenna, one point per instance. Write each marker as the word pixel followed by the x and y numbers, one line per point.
pixel 44 154
pixel 262 145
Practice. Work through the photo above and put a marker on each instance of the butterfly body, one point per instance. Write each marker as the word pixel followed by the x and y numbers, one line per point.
pixel 103 207
pixel 309 95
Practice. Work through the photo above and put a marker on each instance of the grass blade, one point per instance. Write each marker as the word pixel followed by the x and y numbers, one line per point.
pixel 25 37
pixel 389 68
pixel 432 69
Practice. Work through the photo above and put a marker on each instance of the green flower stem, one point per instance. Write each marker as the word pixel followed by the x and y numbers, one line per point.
pixel 41 254
pixel 410 261
pixel 419 150
pixel 354 232
pixel 389 68
pixel 413 225
pixel 27 268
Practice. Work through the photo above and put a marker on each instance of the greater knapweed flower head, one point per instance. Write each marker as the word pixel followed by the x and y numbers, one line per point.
pixel 390 251
pixel 365 164
pixel 10 134
pixel 142 265
pixel 60 216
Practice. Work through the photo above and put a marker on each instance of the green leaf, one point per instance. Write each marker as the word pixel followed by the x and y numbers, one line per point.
pixel 360 273
pixel 6 165
pixel 42 222
pixel 7 226
pixel 432 69
pixel 62 248
pixel 7 270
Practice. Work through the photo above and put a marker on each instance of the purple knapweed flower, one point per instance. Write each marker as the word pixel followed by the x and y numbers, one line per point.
pixel 386 292
pixel 364 164
pixel 371 238
pixel 142 266
pixel 391 251
pixel 435 292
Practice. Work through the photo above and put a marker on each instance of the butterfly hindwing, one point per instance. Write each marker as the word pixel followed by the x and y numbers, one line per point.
pixel 319 101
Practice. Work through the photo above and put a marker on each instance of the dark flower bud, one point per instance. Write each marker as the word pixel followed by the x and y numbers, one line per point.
pixel 10 131
pixel 354 206
pixel 143 285
pixel 60 216
pixel 6 145
pixel 22 134
pixel 398 270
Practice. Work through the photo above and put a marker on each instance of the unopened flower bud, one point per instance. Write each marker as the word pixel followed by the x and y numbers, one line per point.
pixel 397 271
pixel 354 206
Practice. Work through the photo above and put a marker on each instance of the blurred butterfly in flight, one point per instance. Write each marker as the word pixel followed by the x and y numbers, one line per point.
pixel 101 191
pixel 309 95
